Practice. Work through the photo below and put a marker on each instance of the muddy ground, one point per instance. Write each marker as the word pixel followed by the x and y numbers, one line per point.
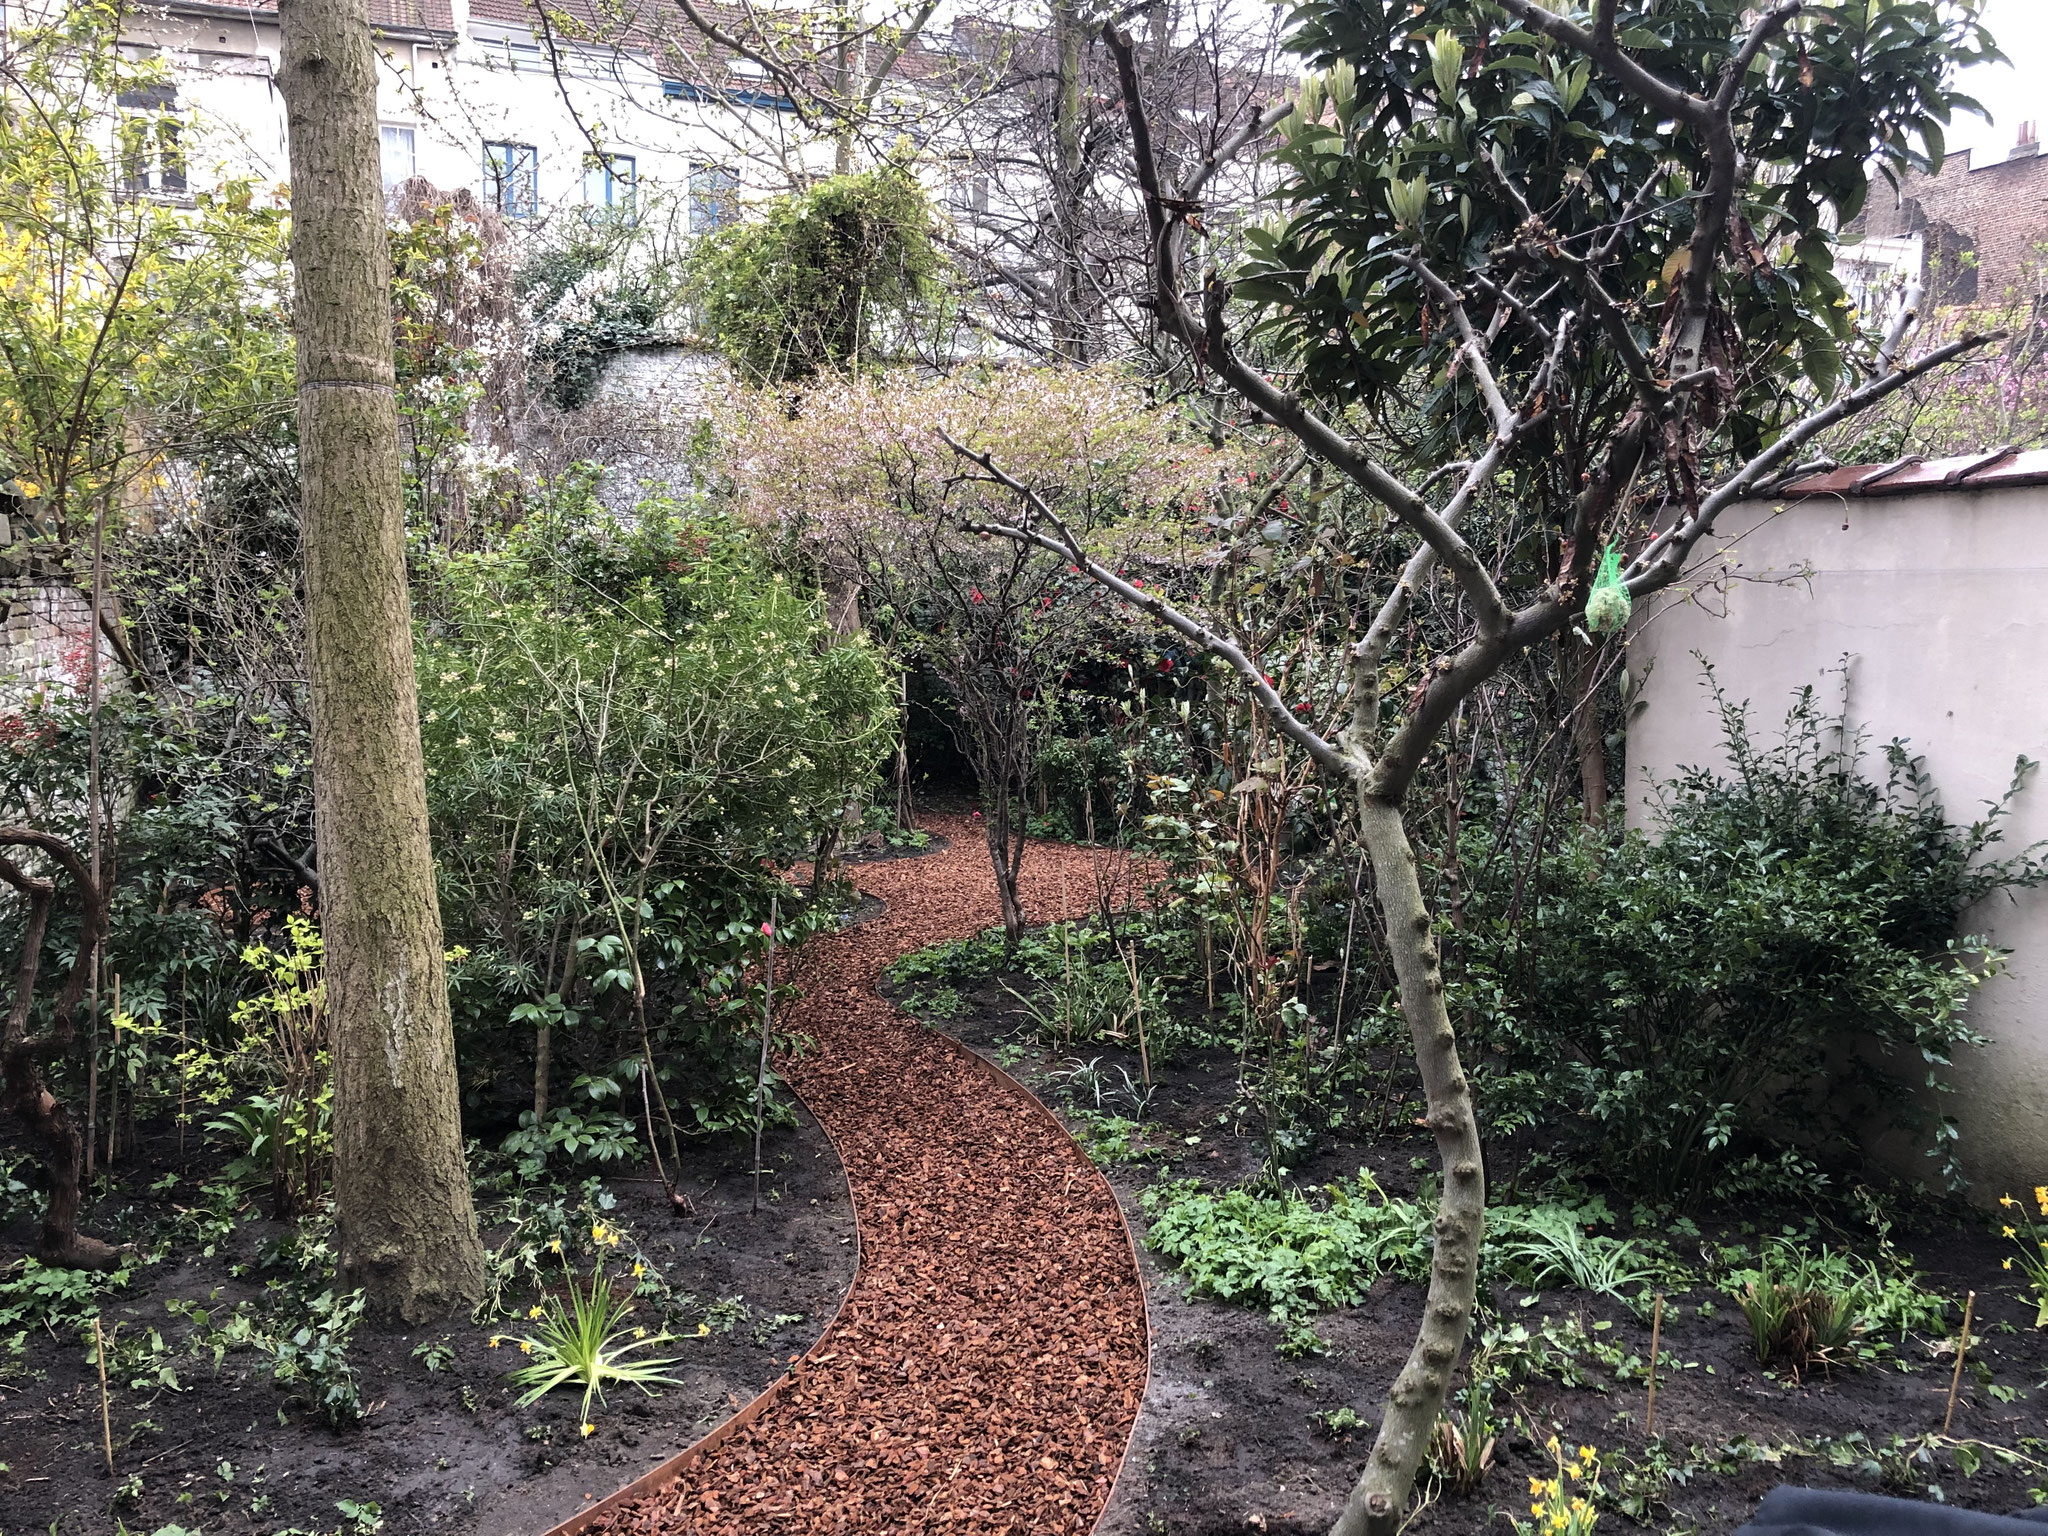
pixel 1227 1441
pixel 443 1450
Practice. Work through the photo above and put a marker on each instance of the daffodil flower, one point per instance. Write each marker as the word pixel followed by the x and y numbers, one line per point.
pixel 526 1346
pixel 536 1311
pixel 587 1429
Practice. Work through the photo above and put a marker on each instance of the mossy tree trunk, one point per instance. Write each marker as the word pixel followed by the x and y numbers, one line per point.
pixel 406 1226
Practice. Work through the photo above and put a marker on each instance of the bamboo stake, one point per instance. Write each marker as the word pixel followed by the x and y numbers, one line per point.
pixel 1656 1334
pixel 113 1076
pixel 1955 1382
pixel 184 1066
pixel 99 1343
pixel 767 1014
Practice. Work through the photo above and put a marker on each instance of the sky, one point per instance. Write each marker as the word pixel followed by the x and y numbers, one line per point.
pixel 2014 93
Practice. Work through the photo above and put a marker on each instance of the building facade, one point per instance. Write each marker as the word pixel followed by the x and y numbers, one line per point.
pixel 1971 234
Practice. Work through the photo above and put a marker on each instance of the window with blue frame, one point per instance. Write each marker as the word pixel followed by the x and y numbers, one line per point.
pixel 609 182
pixel 512 179
pixel 714 198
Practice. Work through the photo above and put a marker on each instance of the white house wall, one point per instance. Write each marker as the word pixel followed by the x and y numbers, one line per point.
pixel 1936 603
pixel 490 83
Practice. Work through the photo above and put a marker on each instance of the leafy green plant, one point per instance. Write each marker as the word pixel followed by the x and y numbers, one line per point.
pixel 1547 1245
pixel 1690 988
pixel 1462 1448
pixel 1285 1254
pixel 313 1358
pixel 1336 1423
pixel 38 1295
pixel 587 1341
pixel 824 279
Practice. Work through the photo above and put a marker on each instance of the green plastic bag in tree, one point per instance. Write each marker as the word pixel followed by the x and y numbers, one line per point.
pixel 1607 606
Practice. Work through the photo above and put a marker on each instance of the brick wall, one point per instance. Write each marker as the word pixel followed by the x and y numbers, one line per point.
pixel 1999 212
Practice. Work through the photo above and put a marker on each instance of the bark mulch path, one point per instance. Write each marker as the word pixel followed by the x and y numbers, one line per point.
pixel 986 1370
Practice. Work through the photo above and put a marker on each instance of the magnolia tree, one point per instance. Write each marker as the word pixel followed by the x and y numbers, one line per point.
pixel 1549 236
pixel 855 471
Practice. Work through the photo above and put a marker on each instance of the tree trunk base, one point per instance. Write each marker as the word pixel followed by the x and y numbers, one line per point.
pixel 82 1252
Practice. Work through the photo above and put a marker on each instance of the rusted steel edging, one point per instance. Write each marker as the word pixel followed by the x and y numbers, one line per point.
pixel 672 1470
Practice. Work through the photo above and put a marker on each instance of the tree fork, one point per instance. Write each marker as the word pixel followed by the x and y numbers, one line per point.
pixel 406 1226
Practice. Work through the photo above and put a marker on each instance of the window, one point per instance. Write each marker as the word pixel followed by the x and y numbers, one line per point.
pixel 152 142
pixel 396 152
pixel 609 182
pixel 714 198
pixel 512 179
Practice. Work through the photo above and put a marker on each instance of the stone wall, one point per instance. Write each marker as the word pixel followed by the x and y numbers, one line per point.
pixel 1935 600
pixel 46 632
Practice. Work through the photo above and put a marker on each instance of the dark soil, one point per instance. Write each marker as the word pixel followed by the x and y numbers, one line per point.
pixel 1226 1443
pixel 443 1450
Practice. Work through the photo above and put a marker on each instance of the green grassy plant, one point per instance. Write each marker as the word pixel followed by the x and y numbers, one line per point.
pixel 587 1342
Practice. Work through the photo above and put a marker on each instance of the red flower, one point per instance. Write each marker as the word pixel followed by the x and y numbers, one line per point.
pixel 975 592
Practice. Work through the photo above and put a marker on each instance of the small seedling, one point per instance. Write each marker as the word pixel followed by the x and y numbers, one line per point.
pixel 1336 1423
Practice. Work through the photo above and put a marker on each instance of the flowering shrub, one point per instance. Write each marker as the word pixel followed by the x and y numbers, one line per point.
pixel 626 727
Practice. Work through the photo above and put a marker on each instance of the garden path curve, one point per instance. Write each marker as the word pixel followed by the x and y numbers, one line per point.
pixel 985 1372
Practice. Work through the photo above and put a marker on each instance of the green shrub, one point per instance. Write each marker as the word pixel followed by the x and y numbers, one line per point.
pixel 1751 983
pixel 1286 1254
pixel 818 279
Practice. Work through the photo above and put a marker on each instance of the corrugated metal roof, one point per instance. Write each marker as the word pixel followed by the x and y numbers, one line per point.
pixel 1915 476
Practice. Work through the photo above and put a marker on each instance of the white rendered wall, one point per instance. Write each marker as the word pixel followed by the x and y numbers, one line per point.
pixel 1940 603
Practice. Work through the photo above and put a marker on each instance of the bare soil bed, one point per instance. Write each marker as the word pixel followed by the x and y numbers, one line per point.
pixel 444 1449
pixel 1227 1440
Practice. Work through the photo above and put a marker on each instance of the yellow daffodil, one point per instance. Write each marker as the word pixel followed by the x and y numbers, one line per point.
pixel 2041 1194
pixel 1575 1473
pixel 536 1311
pixel 1586 1453
pixel 597 1232
pixel 1535 1485
pixel 703 1330
pixel 587 1428
pixel 2007 1264
pixel 1535 1509
pixel 526 1346
pixel 554 1245
pixel 2007 1201
pixel 495 1342
pixel 638 1269
pixel 2012 1232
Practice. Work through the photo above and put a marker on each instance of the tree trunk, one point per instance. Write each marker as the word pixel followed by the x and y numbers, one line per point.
pixel 1380 1498
pixel 1070 341
pixel 22 1056
pixel 997 825
pixel 407 1231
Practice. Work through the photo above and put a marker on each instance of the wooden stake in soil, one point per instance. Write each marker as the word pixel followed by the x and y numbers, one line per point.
pixel 99 1348
pixel 1955 1382
pixel 1656 1333
pixel 767 1014
pixel 113 1077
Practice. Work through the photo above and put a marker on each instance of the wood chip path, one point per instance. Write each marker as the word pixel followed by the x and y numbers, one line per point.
pixel 986 1370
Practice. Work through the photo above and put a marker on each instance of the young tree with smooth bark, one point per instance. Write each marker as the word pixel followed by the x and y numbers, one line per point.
pixel 1625 213
pixel 406 1226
